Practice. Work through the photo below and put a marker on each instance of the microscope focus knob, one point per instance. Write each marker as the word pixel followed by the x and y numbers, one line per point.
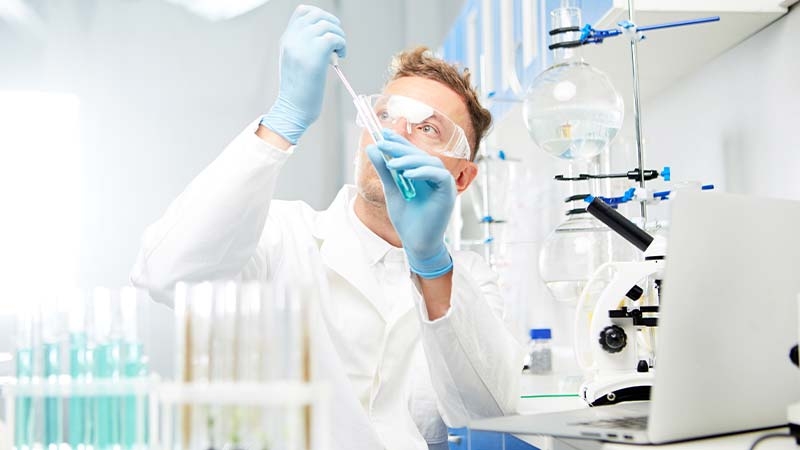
pixel 613 339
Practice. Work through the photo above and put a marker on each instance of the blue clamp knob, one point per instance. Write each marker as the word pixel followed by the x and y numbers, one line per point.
pixel 586 31
pixel 666 173
pixel 610 201
pixel 487 219
pixel 501 154
pixel 628 195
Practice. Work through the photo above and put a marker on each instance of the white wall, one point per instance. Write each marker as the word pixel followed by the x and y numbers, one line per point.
pixel 162 91
pixel 735 122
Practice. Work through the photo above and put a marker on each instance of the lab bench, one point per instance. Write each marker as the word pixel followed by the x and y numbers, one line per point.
pixel 548 393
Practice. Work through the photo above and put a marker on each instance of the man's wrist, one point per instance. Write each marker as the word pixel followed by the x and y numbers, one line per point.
pixel 284 120
pixel 432 267
pixel 272 138
pixel 437 294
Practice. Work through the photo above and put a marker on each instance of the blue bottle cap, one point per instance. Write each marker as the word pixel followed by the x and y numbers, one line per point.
pixel 540 333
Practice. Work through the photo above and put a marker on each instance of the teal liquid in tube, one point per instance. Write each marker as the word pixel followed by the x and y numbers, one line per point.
pixel 374 129
pixel 105 369
pixel 77 433
pixel 23 405
pixel 107 409
pixel 133 366
pixel 53 335
pixel 134 431
pixel 52 405
pixel 373 126
pixel 80 362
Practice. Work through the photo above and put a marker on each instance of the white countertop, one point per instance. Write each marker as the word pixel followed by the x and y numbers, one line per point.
pixel 738 441
pixel 548 393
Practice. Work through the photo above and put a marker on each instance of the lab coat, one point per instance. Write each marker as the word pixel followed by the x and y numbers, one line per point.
pixel 397 376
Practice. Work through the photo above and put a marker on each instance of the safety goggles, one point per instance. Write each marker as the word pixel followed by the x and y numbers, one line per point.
pixel 425 127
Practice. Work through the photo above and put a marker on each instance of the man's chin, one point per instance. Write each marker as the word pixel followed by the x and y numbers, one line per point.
pixel 372 196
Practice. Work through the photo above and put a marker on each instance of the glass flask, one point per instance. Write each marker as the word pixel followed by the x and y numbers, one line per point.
pixel 492 202
pixel 493 187
pixel 571 253
pixel 571 110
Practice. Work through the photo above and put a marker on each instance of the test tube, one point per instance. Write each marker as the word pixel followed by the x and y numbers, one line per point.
pixel 367 117
pixel 133 367
pixel 52 338
pixel 270 349
pixel 224 359
pixel 106 368
pixel 202 430
pixel 374 129
pixel 290 348
pixel 249 364
pixel 23 405
pixel 182 368
pixel 78 420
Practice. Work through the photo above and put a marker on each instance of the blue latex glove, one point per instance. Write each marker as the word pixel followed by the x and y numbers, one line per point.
pixel 306 47
pixel 420 222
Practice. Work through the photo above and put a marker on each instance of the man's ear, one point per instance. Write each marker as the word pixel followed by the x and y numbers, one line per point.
pixel 466 175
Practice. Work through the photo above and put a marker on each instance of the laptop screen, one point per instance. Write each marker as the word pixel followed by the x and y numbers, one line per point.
pixel 728 316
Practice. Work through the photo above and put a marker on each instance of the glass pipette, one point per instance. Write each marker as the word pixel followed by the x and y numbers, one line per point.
pixel 370 121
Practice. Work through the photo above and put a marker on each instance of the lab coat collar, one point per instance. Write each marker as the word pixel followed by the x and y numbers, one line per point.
pixel 351 251
pixel 375 248
pixel 325 223
pixel 341 250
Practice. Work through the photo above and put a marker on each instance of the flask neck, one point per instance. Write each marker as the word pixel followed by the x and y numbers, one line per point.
pixel 566 16
pixel 567 55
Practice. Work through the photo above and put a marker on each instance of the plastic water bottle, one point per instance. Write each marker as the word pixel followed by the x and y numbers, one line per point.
pixel 540 352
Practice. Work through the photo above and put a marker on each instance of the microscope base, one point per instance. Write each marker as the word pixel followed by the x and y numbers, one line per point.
pixel 617 388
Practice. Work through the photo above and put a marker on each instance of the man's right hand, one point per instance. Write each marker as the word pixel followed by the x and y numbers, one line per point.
pixel 306 47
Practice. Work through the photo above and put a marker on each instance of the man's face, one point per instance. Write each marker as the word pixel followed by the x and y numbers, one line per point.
pixel 432 93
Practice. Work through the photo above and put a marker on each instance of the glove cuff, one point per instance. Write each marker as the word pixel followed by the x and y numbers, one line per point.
pixel 283 119
pixel 433 267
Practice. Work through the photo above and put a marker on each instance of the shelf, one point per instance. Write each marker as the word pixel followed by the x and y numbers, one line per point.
pixel 510 36
pixel 668 55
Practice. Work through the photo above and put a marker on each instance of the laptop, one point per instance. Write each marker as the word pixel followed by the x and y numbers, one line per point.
pixel 727 322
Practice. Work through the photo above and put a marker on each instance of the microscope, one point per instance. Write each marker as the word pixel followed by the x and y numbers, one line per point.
pixel 793 412
pixel 622 313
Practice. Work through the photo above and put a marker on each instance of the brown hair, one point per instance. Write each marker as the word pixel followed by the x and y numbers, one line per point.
pixel 420 62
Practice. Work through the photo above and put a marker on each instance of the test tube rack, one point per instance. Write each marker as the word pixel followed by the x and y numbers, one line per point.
pixel 158 405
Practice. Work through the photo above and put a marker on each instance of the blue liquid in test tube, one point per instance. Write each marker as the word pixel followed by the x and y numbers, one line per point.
pixel 133 363
pixel 23 405
pixel 367 116
pixel 78 370
pixel 133 410
pixel 52 405
pixel 107 412
pixel 374 128
pixel 105 369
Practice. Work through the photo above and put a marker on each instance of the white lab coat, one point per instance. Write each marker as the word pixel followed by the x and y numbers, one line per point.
pixel 398 377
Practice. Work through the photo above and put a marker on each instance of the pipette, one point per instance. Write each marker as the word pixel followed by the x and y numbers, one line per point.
pixel 370 121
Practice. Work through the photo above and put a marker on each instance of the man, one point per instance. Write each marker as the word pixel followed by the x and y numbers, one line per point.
pixel 413 329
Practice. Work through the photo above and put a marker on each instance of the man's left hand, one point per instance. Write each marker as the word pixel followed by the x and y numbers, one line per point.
pixel 420 222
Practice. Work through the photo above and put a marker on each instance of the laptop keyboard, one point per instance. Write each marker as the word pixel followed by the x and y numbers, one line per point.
pixel 630 423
